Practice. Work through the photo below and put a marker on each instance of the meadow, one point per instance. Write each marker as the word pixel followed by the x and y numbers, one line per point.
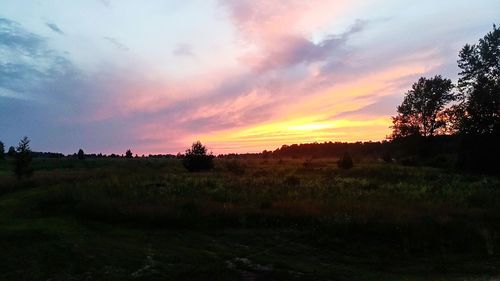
pixel 247 219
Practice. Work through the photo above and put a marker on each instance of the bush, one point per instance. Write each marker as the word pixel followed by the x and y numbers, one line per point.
pixel 345 162
pixel 81 154
pixel 197 159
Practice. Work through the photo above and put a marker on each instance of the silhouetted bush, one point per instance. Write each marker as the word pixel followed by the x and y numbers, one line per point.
pixel 128 154
pixel 345 162
pixel 23 159
pixel 196 158
pixel 81 154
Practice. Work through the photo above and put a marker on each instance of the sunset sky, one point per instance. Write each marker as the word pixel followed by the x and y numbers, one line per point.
pixel 238 75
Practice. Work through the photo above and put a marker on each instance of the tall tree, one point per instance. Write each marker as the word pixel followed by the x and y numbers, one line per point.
pixel 479 85
pixel 23 159
pixel 2 151
pixel 422 111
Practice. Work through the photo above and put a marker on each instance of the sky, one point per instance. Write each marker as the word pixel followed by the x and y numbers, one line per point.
pixel 238 75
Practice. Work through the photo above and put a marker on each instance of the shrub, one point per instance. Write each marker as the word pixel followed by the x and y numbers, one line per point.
pixel 81 154
pixel 128 154
pixel 345 162
pixel 196 158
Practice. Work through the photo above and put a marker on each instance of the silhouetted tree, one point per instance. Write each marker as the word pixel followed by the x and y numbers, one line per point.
pixel 197 158
pixel 479 85
pixel 345 162
pixel 422 108
pixel 81 154
pixel 128 154
pixel 12 152
pixel 23 159
pixel 2 151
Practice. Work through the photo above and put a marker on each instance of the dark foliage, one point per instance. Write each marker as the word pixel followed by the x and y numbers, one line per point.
pixel 128 154
pixel 197 159
pixel 479 85
pixel 345 162
pixel 421 112
pixel 81 154
pixel 2 151
pixel 24 158
pixel 326 150
pixel 479 122
pixel 479 154
pixel 11 152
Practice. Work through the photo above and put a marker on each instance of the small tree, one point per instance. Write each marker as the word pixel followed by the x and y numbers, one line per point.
pixel 128 154
pixel 2 151
pixel 23 159
pixel 197 158
pixel 12 152
pixel 81 154
pixel 345 162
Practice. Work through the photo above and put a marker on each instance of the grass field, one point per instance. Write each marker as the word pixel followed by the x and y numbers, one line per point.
pixel 150 219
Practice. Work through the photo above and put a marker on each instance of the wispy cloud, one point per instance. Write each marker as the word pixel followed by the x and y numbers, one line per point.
pixel 117 44
pixel 54 28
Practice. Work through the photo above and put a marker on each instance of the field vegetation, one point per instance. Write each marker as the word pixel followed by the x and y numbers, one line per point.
pixel 247 219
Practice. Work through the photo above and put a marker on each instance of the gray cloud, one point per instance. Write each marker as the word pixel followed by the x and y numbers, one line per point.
pixel 54 28
pixel 14 37
pixel 183 50
pixel 27 63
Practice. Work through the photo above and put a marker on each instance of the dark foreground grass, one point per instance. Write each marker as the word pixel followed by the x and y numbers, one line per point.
pixel 145 219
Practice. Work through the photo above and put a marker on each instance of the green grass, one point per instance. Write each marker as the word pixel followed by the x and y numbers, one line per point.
pixel 149 219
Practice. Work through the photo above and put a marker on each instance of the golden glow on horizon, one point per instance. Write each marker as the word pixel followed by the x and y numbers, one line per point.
pixel 303 130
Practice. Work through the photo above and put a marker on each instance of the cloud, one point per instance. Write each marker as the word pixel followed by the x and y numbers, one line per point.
pixel 27 64
pixel 54 28
pixel 294 71
pixel 15 38
pixel 106 3
pixel 183 50
pixel 116 43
